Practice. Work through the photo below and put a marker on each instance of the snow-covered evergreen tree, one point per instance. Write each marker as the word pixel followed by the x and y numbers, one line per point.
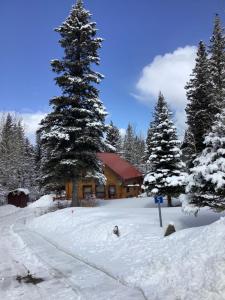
pixel 38 152
pixel 206 182
pixel 74 131
pixel 30 169
pixel 188 149
pixel 40 159
pixel 138 152
pixel 133 146
pixel 217 66
pixel 148 147
pixel 7 154
pixel 166 176
pixel 17 165
pixel 113 138
pixel 199 107
pixel 128 143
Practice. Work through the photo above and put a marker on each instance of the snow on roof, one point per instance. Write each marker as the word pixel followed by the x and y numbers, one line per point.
pixel 120 166
pixel 20 190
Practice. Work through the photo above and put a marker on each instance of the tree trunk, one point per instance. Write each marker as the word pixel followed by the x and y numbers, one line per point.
pixel 75 201
pixel 169 201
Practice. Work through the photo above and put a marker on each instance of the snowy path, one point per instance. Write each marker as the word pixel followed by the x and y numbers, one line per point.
pixel 65 276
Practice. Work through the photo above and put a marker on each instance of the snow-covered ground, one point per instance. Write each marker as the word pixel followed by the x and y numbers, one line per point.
pixel 187 265
pixel 44 201
pixel 7 210
pixel 79 257
pixel 47 202
pixel 65 276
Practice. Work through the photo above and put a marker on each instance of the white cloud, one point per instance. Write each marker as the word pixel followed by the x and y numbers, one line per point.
pixel 31 122
pixel 122 131
pixel 180 119
pixel 169 74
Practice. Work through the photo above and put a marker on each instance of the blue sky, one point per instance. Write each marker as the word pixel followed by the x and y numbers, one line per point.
pixel 138 55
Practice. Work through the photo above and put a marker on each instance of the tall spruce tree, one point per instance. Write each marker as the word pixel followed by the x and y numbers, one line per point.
pixel 199 107
pixel 74 131
pixel 113 138
pixel 128 143
pixel 17 165
pixel 217 66
pixel 188 148
pixel 7 154
pixel 30 169
pixel 138 152
pixel 133 147
pixel 148 148
pixel 206 183
pixel 166 175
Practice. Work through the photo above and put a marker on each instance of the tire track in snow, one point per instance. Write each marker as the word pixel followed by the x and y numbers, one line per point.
pixel 57 274
pixel 53 271
pixel 10 268
pixel 15 259
pixel 90 265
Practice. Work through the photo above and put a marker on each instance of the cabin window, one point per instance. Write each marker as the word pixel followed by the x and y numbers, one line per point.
pixel 87 191
pixel 112 191
pixel 100 191
pixel 128 189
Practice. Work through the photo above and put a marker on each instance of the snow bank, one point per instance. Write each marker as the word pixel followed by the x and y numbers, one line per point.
pixel 8 210
pixel 126 203
pixel 189 264
pixel 44 201
pixel 140 202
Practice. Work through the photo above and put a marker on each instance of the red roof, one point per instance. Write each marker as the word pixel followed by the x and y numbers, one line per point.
pixel 120 166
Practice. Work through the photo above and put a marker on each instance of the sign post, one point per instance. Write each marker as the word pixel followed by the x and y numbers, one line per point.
pixel 159 200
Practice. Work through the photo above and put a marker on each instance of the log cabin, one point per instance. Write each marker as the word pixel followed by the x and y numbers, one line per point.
pixel 123 180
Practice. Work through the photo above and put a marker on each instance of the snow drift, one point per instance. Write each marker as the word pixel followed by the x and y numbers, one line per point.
pixel 44 201
pixel 189 264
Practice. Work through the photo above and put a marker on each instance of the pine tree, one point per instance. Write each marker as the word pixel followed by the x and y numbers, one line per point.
pixel 113 138
pixel 21 164
pixel 206 183
pixel 17 165
pixel 30 169
pixel 128 143
pixel 217 66
pixel 148 149
pixel 7 154
pixel 188 149
pixel 133 147
pixel 38 152
pixel 138 152
pixel 166 176
pixel 199 107
pixel 74 131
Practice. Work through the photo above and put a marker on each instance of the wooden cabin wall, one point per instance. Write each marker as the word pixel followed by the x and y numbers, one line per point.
pixel 122 191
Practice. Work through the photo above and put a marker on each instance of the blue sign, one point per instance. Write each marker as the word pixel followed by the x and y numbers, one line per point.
pixel 158 199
